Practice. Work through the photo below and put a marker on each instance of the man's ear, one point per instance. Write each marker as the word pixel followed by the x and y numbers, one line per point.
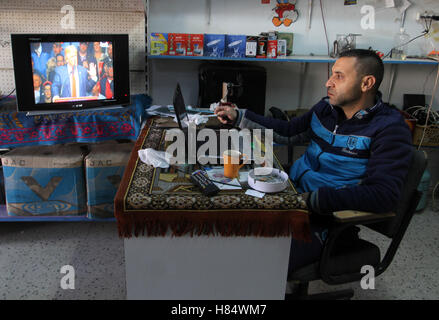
pixel 367 83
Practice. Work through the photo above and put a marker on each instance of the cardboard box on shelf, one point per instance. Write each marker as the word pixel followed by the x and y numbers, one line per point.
pixel 290 39
pixel 282 48
pixel 262 47
pixel 158 44
pixel 177 44
pixel 195 45
pixel 251 46
pixel 214 45
pixel 235 46
pixel 272 49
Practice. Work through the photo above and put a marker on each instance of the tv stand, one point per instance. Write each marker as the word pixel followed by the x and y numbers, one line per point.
pixel 42 112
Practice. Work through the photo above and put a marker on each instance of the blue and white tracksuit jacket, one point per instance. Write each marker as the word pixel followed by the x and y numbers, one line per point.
pixel 350 164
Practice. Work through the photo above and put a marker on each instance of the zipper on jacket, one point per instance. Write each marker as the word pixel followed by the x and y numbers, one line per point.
pixel 333 134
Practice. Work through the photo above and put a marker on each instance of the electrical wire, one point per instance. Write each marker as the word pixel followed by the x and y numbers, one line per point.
pixel 426 80
pixel 429 108
pixel 326 32
pixel 425 32
pixel 7 95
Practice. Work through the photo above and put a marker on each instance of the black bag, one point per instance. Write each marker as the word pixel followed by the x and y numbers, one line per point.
pixel 247 90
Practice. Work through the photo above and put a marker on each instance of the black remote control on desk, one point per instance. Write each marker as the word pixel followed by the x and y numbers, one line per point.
pixel 202 181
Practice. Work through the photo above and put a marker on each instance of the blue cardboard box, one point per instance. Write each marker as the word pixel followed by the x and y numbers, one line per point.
pixel 214 45
pixel 104 168
pixel 44 181
pixel 235 46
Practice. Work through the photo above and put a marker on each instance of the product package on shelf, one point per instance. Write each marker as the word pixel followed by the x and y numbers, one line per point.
pixel 289 37
pixel 45 181
pixel 262 47
pixel 251 46
pixel 235 46
pixel 272 49
pixel 158 44
pixel 195 45
pixel 214 45
pixel 177 44
pixel 104 168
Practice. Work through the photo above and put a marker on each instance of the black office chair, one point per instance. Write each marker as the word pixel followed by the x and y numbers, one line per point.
pixel 340 263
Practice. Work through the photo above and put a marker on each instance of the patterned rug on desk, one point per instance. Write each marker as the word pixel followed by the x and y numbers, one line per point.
pixel 153 199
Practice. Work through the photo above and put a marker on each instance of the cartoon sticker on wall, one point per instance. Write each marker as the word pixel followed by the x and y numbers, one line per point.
pixel 285 13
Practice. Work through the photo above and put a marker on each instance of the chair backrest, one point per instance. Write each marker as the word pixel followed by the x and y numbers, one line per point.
pixel 416 170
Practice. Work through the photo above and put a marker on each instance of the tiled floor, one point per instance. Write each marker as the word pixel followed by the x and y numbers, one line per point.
pixel 32 254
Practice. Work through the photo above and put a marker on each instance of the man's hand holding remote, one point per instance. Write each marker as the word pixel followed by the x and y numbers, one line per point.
pixel 227 114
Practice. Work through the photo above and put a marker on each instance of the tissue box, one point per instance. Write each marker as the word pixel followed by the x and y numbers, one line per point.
pixel 214 45
pixel 195 45
pixel 104 168
pixel 177 44
pixel 44 181
pixel 159 44
pixel 235 46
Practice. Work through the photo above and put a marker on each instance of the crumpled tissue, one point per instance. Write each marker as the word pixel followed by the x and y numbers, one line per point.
pixel 157 159
pixel 194 118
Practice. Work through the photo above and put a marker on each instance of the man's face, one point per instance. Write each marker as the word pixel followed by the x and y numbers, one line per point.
pixel 59 61
pixel 57 49
pixel 344 85
pixel 72 58
pixel 97 46
pixel 83 47
pixel 37 82
pixel 47 91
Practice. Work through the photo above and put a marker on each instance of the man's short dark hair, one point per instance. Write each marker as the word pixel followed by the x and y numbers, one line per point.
pixel 368 63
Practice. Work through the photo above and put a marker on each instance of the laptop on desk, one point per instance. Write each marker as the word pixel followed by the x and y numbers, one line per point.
pixel 181 114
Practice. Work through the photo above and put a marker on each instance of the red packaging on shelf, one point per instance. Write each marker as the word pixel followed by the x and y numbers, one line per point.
pixel 177 44
pixel 195 45
pixel 272 49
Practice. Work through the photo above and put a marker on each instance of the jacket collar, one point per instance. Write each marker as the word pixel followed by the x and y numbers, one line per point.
pixel 363 113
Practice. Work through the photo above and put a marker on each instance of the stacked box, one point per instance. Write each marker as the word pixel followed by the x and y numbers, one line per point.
pixel 235 46
pixel 214 45
pixel 195 45
pixel 104 168
pixel 159 44
pixel 44 181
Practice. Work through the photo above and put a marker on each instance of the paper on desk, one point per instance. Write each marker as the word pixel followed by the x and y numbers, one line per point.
pixel 255 193
pixel 217 174
pixel 194 118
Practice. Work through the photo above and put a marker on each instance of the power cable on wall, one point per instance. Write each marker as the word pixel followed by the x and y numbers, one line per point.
pixel 326 32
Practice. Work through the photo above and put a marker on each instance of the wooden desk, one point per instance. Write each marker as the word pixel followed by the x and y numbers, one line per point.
pixel 231 246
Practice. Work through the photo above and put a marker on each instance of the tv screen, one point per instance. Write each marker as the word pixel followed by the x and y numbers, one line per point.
pixel 62 72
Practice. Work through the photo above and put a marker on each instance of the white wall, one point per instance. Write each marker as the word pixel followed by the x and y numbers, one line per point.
pixel 283 79
pixel 94 16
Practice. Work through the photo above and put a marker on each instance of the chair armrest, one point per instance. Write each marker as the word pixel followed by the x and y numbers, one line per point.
pixel 346 216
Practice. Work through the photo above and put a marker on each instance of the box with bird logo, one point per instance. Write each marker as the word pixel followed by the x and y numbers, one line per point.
pixel 104 168
pixel 45 181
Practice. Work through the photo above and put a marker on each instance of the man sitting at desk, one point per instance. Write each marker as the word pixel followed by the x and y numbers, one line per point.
pixel 359 153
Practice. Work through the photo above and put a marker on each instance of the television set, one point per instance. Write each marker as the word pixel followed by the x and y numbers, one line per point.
pixel 65 72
